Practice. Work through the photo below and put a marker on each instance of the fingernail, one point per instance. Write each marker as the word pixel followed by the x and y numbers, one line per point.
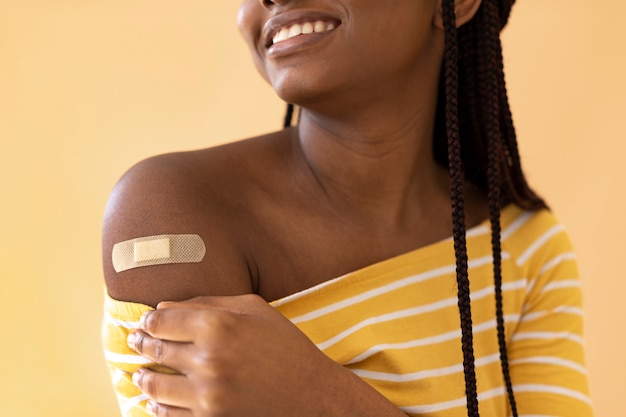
pixel 137 378
pixel 131 340
pixel 164 304
pixel 144 319
pixel 151 407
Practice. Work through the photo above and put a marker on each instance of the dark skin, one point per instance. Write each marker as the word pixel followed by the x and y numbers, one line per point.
pixel 353 184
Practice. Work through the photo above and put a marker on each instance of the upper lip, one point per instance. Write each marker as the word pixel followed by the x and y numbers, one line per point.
pixel 286 19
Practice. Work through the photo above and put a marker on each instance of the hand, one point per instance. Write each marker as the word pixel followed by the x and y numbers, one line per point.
pixel 235 356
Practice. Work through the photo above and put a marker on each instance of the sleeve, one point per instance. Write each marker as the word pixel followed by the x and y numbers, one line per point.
pixel 118 320
pixel 546 349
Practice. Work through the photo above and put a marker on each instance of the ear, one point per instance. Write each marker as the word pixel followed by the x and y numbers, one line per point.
pixel 464 10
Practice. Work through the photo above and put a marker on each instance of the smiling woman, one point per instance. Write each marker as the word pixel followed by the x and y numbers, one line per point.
pixel 384 256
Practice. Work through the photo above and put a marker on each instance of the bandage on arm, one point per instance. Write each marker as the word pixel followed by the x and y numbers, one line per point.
pixel 157 250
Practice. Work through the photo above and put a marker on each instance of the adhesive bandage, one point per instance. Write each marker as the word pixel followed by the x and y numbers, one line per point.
pixel 157 250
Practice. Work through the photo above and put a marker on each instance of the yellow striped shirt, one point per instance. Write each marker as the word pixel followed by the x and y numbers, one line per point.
pixel 395 324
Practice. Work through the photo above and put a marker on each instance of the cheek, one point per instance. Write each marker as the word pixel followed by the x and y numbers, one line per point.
pixel 249 22
pixel 245 20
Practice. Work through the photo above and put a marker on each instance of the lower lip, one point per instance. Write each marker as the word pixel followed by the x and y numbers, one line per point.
pixel 297 44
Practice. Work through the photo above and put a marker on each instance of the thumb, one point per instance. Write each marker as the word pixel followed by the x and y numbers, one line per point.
pixel 247 304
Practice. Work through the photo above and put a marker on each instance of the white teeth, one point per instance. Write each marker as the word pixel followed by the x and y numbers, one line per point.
pixel 282 35
pixel 302 29
pixel 295 30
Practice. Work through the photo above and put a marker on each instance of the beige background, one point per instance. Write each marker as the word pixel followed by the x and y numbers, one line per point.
pixel 88 87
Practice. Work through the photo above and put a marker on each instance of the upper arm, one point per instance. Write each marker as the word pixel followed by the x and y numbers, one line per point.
pixel 546 351
pixel 161 196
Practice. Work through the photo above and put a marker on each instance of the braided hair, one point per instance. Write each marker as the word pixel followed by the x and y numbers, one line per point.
pixel 475 138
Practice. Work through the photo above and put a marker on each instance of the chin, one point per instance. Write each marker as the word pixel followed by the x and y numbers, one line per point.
pixel 305 90
pixel 295 91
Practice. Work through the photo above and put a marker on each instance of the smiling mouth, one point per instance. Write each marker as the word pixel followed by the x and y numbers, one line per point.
pixel 299 29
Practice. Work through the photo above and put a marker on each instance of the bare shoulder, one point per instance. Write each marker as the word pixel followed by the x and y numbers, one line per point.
pixel 205 193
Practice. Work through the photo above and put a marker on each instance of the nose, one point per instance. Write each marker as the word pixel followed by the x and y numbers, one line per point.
pixel 270 3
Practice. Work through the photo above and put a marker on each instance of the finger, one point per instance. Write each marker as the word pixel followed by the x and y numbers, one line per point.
pixel 238 304
pixel 162 410
pixel 184 325
pixel 165 389
pixel 163 352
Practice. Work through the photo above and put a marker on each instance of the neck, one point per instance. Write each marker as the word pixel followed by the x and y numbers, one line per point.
pixel 377 162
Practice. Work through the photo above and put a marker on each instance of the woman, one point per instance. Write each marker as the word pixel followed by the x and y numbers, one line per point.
pixel 404 137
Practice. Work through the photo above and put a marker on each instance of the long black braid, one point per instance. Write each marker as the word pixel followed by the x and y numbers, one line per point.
pixel 475 138
pixel 288 116
pixel 490 157
pixel 457 180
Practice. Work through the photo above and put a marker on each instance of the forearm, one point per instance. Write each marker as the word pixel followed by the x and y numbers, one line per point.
pixel 344 394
